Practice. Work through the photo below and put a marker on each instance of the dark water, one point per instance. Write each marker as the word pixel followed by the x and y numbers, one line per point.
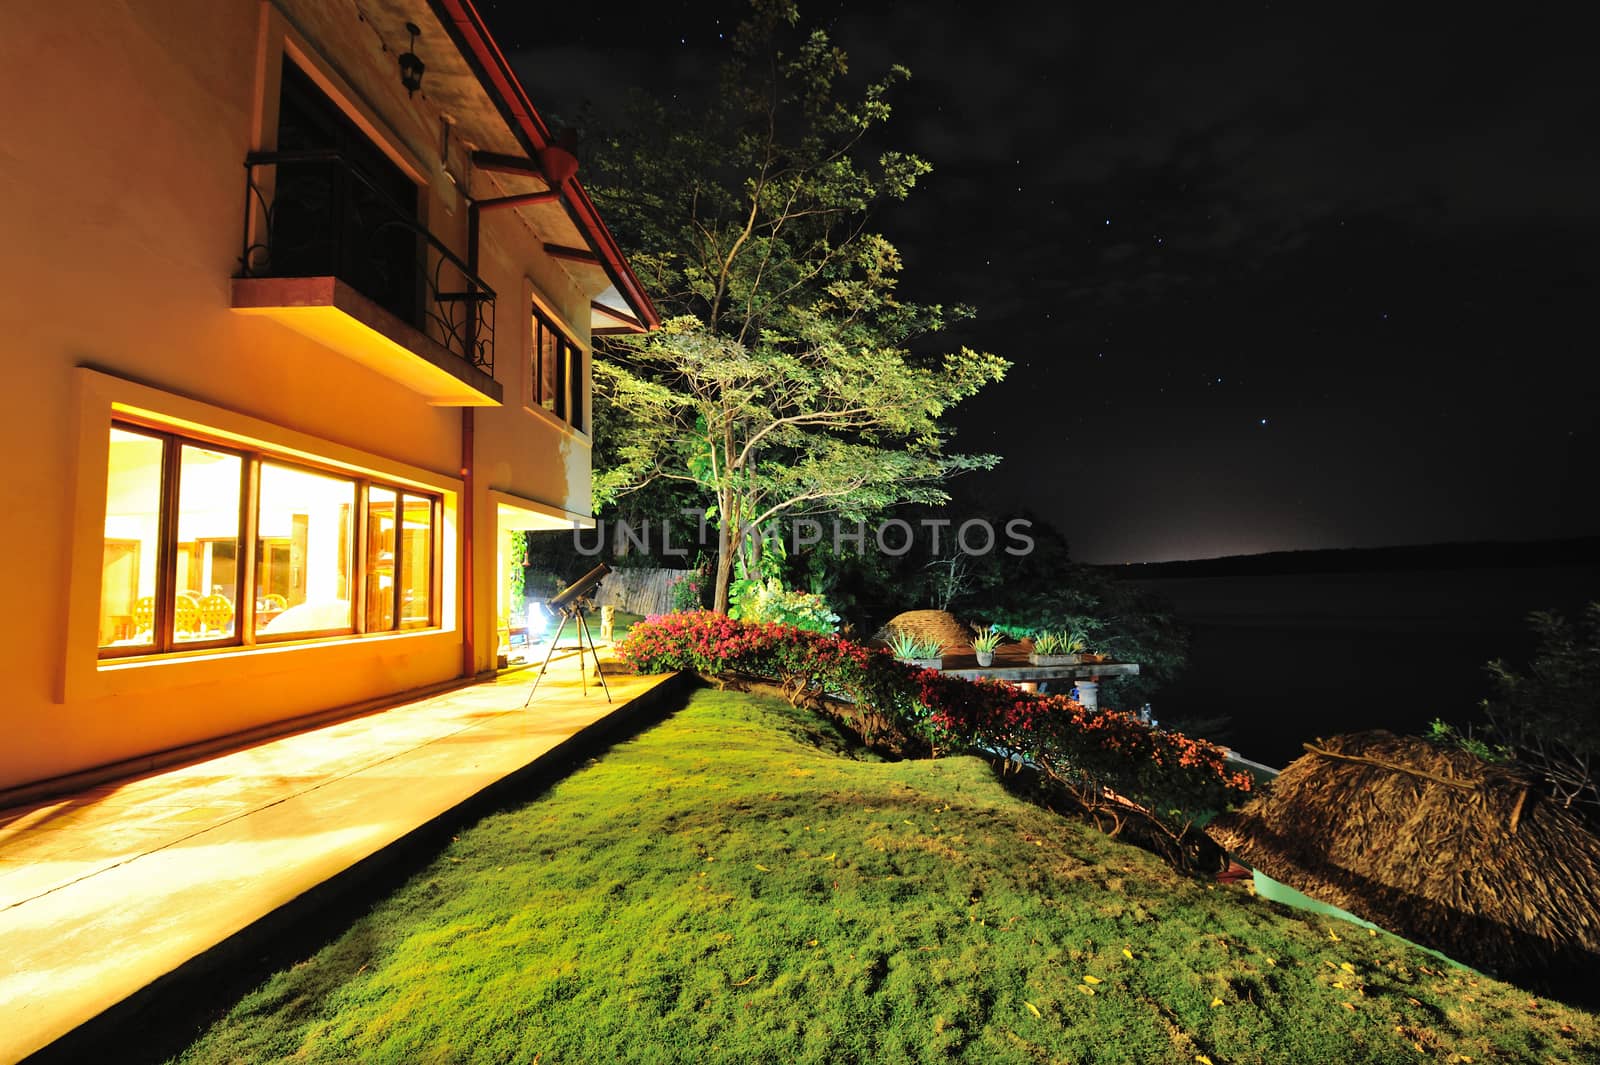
pixel 1289 658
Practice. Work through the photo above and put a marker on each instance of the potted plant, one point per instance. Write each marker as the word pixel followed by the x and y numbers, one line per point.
pixel 1052 648
pixel 1062 649
pixel 916 651
pixel 1048 649
pixel 984 641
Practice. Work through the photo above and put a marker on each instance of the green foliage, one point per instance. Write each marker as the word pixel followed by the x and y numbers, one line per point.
pixel 763 601
pixel 1050 642
pixel 783 381
pixel 1103 760
pixel 754 572
pixel 1116 620
pixel 542 583
pixel 985 639
pixel 1446 735
pixel 761 596
pixel 518 564
pixel 1021 595
pixel 1550 715
pixel 908 646
pixel 741 884
pixel 687 593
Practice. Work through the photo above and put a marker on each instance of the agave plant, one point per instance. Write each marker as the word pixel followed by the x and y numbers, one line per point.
pixel 1050 643
pixel 906 645
pixel 985 639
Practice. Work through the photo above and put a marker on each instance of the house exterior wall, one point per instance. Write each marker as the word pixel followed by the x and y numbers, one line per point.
pixel 122 200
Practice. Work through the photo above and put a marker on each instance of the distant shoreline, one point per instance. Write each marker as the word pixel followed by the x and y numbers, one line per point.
pixel 1491 554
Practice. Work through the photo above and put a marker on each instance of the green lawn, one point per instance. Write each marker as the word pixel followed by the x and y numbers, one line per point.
pixel 736 885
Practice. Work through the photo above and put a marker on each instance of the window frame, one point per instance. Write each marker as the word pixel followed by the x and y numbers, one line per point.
pixel 165 644
pixel 358 494
pixel 570 396
pixel 163 635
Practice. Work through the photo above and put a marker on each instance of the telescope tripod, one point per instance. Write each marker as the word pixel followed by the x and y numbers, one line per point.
pixel 572 612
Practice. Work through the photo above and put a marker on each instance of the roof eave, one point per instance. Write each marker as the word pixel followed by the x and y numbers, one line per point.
pixel 465 25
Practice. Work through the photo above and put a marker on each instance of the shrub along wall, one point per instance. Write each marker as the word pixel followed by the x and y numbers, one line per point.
pixel 1115 767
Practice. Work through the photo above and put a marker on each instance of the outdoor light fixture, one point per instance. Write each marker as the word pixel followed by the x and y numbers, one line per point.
pixel 411 68
pixel 558 159
pixel 539 619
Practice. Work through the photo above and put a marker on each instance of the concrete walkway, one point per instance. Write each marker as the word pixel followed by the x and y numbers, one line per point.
pixel 105 891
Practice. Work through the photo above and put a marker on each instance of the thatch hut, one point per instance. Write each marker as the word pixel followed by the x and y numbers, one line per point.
pixel 939 626
pixel 1436 845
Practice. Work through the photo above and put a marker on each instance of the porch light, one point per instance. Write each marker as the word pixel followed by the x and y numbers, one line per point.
pixel 411 68
pixel 538 621
pixel 559 160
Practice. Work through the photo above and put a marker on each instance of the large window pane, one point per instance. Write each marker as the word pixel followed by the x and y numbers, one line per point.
pixel 303 554
pixel 133 523
pixel 416 564
pixel 175 536
pixel 208 545
pixel 381 541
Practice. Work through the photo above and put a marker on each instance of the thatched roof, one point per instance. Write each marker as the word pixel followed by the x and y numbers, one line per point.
pixel 1436 845
pixel 940 625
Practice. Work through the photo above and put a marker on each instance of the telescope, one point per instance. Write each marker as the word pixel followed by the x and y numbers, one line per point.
pixel 578 589
pixel 568 605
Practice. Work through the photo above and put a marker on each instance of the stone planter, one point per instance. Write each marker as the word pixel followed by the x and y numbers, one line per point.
pixel 985 658
pixel 1054 660
pixel 924 663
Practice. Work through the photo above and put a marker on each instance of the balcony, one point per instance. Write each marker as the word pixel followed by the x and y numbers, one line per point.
pixel 329 254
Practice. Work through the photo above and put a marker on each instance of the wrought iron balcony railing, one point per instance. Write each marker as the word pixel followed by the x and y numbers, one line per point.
pixel 313 214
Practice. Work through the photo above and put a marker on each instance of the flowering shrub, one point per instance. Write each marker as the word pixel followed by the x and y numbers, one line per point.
pixel 1100 754
pixel 793 657
pixel 1106 758
pixel 686 592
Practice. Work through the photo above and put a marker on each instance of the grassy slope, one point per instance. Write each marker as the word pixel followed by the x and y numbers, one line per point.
pixel 734 886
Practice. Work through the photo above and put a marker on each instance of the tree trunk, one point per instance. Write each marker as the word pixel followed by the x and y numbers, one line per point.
pixel 752 554
pixel 725 547
pixel 724 574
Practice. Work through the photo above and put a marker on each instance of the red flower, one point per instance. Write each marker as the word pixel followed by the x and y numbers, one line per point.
pixel 1109 749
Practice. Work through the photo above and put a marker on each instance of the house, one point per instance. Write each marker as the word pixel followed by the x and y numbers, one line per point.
pixel 298 298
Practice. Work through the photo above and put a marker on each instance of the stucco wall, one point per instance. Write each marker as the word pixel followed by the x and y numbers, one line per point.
pixel 121 209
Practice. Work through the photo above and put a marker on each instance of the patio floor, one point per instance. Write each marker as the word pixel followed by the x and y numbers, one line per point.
pixel 107 890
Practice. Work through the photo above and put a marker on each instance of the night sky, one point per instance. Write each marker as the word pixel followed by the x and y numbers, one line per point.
pixel 1271 279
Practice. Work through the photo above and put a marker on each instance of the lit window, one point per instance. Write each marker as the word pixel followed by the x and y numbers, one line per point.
pixel 174 570
pixel 380 559
pixel 133 526
pixel 207 585
pixel 400 560
pixel 416 563
pixel 303 552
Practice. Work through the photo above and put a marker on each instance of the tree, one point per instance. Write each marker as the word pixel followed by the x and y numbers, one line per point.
pixel 1550 715
pixel 785 381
